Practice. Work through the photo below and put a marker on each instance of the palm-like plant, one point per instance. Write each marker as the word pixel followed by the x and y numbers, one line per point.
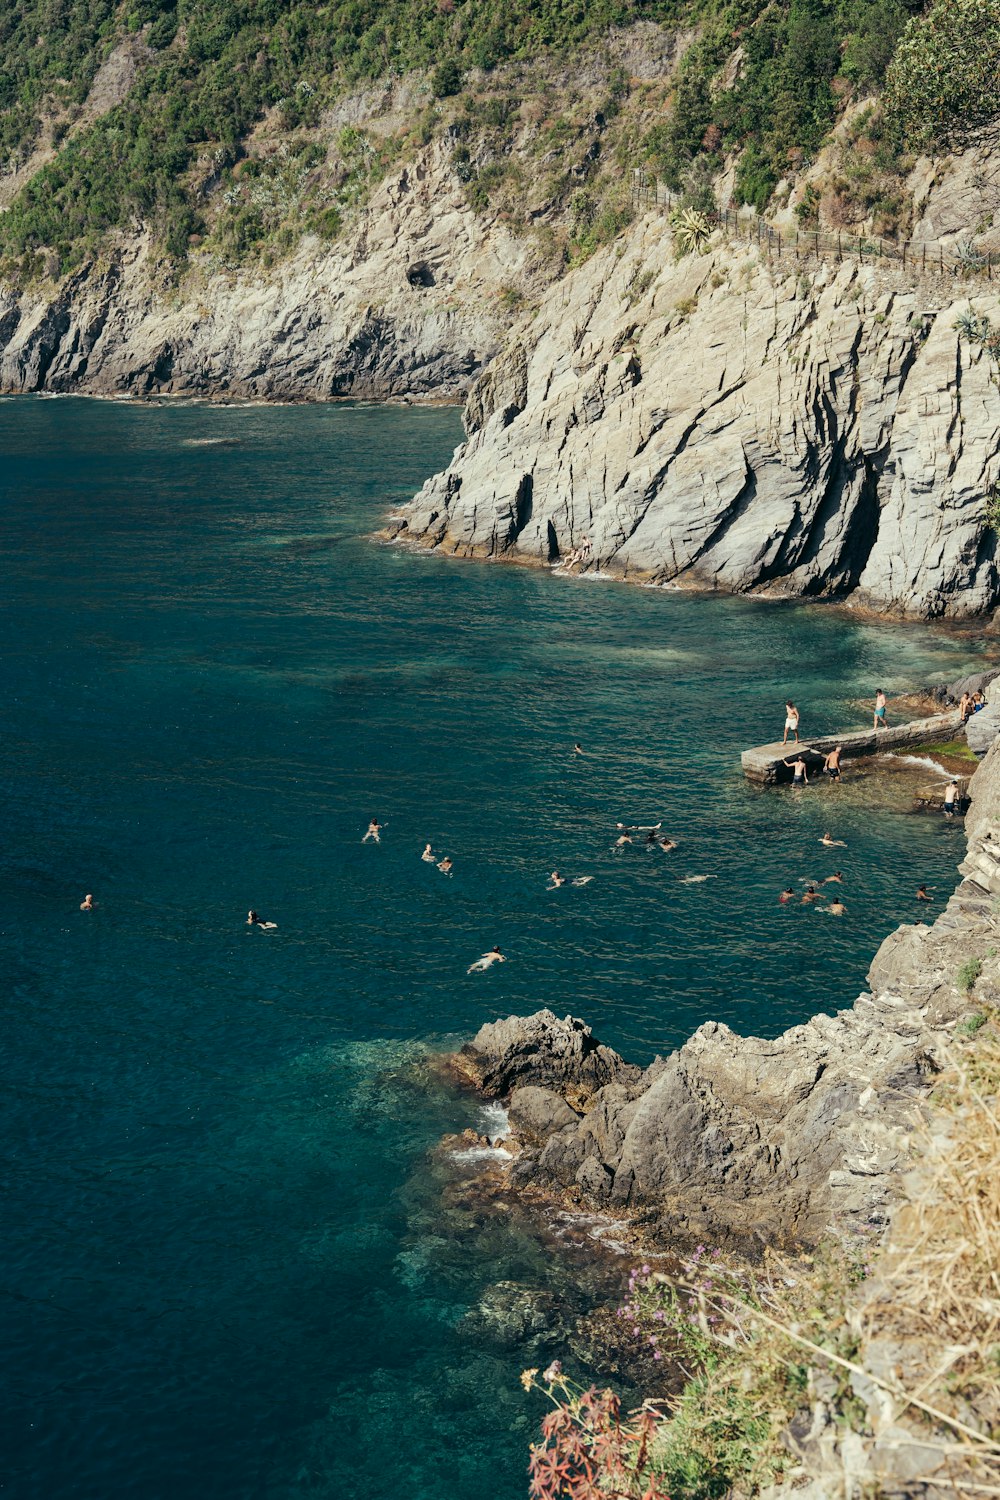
pixel 691 230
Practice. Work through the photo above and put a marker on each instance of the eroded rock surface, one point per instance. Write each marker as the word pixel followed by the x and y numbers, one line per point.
pixel 733 423
pixel 739 1138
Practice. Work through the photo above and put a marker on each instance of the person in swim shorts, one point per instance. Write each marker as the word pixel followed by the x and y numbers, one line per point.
pixel 878 715
pixel 791 721
pixel 798 767
pixel 831 765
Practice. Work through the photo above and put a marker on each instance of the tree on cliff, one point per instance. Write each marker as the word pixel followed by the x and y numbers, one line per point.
pixel 943 84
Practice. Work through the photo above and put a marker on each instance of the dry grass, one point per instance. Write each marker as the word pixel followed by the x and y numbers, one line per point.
pixel 936 1295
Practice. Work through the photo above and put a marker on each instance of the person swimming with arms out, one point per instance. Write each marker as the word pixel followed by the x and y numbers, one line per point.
pixel 445 865
pixel 254 919
pixel 87 904
pixel 837 876
pixel 831 763
pixel 878 713
pixel 829 842
pixel 428 856
pixel 374 832
pixel 482 964
pixel 555 881
pixel 798 768
pixel 922 893
pixel 811 894
pixel 622 840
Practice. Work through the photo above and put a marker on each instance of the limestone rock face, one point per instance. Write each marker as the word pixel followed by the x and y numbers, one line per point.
pixel 543 1050
pixel 538 1113
pixel 726 422
pixel 742 1138
pixel 405 304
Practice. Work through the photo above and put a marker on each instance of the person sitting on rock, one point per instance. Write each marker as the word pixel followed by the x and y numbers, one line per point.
pixel 965 707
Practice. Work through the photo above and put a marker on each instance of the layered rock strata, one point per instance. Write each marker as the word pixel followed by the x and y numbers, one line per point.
pixel 727 422
pixel 406 304
pixel 739 1139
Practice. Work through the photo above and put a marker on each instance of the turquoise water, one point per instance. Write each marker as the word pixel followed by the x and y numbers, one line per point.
pixel 228 1269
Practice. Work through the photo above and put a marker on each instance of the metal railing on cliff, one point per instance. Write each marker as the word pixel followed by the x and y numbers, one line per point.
pixel 917 257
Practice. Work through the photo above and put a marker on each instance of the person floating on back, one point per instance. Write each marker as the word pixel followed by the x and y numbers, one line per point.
pixel 798 766
pixel 374 831
pixel 493 957
pixel 878 713
pixel 829 842
pixel 791 721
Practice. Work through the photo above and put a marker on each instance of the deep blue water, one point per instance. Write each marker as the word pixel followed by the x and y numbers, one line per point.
pixel 225 1270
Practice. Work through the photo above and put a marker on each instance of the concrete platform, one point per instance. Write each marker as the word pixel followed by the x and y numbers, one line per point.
pixel 764 762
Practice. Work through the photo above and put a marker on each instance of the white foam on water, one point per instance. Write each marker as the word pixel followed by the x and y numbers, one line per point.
pixel 494 1122
pixel 481 1153
pixel 920 760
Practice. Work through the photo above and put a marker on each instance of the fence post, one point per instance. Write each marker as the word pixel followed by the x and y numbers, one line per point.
pixel 840 248
pixel 904 255
pixel 923 265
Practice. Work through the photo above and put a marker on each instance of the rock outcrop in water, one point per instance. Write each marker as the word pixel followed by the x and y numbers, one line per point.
pixel 729 422
pixel 739 1138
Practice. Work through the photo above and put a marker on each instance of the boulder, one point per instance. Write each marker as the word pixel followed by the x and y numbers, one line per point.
pixel 542 1049
pixel 538 1113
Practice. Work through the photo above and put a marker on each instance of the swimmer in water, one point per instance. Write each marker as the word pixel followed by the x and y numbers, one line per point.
pixel 811 894
pixel 622 840
pixel 666 844
pixel 444 865
pixel 578 749
pixel 922 894
pixel 829 842
pixel 87 904
pixel 493 957
pixel 555 881
pixel 374 831
pixel 786 896
pixel 838 876
pixel 428 856
pixel 695 879
pixel 798 767
pixel 836 907
pixel 255 920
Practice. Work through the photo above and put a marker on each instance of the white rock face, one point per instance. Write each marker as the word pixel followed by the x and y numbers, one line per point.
pixel 730 423
pixel 405 304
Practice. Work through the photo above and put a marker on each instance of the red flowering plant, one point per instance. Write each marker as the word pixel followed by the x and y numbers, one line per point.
pixel 587 1451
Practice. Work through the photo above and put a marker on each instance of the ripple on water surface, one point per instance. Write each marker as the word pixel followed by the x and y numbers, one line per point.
pixel 234 1264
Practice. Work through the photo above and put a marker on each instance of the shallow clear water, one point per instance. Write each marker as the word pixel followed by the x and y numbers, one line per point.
pixel 226 1269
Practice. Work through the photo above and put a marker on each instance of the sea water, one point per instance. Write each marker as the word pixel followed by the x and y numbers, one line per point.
pixel 229 1266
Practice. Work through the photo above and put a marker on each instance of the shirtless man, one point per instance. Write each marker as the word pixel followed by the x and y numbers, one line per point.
pixel 838 876
pixel 786 896
pixel 798 767
pixel 829 842
pixel 444 865
pixel 878 714
pixel 87 904
pixel 791 721
pixel 428 856
pixel 831 764
pixel 374 831
pixel 836 907
pixel 577 749
pixel 622 840
pixel 493 957
pixel 950 798
pixel 811 894
pixel 666 844
pixel 555 881
pixel 922 894
pixel 255 920
pixel 965 707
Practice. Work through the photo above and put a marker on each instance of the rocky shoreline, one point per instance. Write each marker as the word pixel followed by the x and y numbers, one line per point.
pixel 744 1141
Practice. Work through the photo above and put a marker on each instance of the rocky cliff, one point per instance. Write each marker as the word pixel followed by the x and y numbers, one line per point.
pixel 731 422
pixel 406 304
pixel 739 1138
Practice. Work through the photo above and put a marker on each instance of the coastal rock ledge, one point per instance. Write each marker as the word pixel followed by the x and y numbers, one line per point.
pixel 735 1139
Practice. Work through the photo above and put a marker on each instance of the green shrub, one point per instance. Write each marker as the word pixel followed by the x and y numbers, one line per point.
pixel 943 83
pixel 969 973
